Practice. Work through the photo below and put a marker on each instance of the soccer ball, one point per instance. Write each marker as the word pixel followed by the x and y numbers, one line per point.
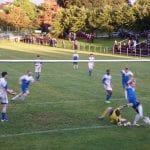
pixel 146 120
pixel 127 124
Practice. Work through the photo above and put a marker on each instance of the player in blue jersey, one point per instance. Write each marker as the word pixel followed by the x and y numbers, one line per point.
pixel 133 101
pixel 75 58
pixel 106 80
pixel 126 75
pixel 24 81
pixel 3 95
pixel 38 67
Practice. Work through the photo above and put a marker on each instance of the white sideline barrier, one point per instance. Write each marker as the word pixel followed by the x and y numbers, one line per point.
pixel 69 61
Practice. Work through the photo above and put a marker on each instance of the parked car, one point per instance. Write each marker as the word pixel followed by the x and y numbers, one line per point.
pixel 115 34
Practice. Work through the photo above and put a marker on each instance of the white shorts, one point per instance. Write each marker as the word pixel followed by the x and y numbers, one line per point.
pixel 91 66
pixel 108 87
pixel 4 99
pixel 37 69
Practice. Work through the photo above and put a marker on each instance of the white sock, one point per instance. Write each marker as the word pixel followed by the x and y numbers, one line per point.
pixel 22 97
pixel 15 97
pixel 136 119
pixel 125 94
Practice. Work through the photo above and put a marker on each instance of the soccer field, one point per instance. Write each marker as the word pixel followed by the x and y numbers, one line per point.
pixel 61 111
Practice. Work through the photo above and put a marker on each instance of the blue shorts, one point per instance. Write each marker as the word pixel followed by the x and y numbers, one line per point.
pixel 75 63
pixel 124 85
pixel 24 89
pixel 135 107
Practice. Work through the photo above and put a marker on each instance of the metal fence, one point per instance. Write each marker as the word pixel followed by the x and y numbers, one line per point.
pixel 89 47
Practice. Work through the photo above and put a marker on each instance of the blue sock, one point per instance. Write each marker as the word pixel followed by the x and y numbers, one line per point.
pixel 90 72
pixel 108 96
pixel 3 116
pixel 38 77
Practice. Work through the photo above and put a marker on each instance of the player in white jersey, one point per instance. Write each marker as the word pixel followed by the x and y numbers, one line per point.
pixel 38 67
pixel 75 58
pixel 126 76
pixel 91 64
pixel 24 81
pixel 3 95
pixel 106 80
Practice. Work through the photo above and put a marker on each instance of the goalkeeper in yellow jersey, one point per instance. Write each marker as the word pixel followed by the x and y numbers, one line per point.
pixel 115 115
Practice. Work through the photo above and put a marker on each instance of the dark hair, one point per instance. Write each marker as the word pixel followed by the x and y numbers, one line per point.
pixel 117 112
pixel 108 71
pixel 4 74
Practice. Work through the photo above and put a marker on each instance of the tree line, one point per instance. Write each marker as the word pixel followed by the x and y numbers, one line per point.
pixel 77 15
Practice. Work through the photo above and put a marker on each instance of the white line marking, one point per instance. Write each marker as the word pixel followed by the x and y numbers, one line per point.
pixel 68 101
pixel 76 101
pixel 56 130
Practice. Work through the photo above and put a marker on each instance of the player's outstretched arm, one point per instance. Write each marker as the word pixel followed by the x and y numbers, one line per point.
pixel 10 91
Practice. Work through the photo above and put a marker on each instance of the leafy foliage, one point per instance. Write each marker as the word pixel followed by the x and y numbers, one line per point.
pixel 77 15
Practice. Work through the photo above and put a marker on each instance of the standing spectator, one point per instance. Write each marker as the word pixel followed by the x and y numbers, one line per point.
pixel 63 43
pixel 3 95
pixel 75 58
pixel 134 45
pixel 54 42
pixel 74 36
pixel 69 36
pixel 38 67
pixel 129 44
pixel 106 80
pixel 75 44
pixel 119 46
pixel 91 64
pixel 115 43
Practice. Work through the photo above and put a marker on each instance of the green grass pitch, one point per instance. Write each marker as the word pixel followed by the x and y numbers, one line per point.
pixel 61 111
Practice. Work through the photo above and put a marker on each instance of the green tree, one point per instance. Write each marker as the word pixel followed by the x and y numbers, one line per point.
pixel 17 18
pixel 3 20
pixel 29 8
pixel 91 4
pixel 58 26
pixel 70 19
pixel 105 19
pixel 92 20
pixel 122 16
pixel 141 11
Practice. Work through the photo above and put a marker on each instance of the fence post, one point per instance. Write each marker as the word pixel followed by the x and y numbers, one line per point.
pixel 107 50
pixel 140 52
pixel 104 50
pixel 94 48
pixel 120 49
pixel 113 50
pixel 89 48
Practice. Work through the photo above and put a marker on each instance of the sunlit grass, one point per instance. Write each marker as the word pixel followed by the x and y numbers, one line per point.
pixel 69 99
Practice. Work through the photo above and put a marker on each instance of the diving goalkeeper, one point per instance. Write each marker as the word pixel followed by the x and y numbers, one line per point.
pixel 115 115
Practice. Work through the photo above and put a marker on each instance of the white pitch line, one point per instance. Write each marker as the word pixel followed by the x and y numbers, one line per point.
pixel 71 101
pixel 55 130
pixel 76 101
